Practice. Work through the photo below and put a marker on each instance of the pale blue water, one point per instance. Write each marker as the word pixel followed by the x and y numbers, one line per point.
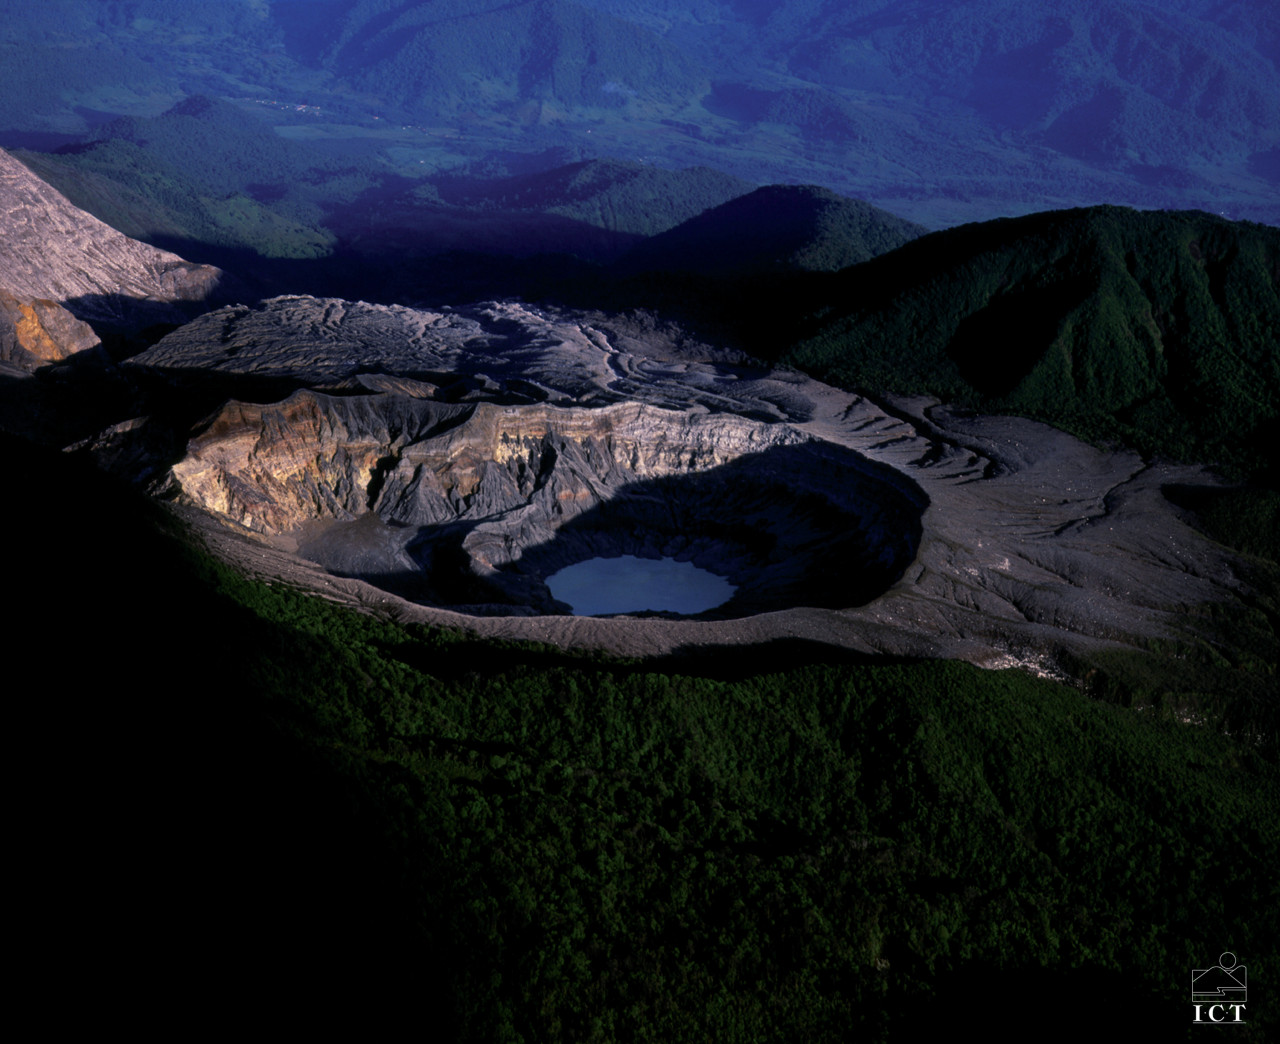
pixel 600 586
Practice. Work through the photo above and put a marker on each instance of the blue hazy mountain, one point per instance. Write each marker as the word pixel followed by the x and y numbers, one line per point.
pixel 776 228
pixel 451 54
pixel 66 68
pixel 939 112
pixel 610 194
pixel 1174 83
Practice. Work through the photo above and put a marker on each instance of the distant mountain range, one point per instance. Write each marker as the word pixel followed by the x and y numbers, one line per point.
pixel 942 113
pixel 465 54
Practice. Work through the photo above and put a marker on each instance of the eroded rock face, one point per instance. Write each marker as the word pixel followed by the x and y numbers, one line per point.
pixel 36 332
pixel 464 455
pixel 53 251
pixel 475 505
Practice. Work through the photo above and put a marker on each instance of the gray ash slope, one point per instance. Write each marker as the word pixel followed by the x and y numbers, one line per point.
pixel 68 280
pixel 52 250
pixel 448 461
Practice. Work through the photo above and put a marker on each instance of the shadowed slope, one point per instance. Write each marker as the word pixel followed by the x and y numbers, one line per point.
pixel 777 227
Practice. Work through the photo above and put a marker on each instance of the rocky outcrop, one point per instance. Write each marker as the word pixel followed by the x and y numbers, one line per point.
pixel 53 251
pixel 36 332
pixel 499 350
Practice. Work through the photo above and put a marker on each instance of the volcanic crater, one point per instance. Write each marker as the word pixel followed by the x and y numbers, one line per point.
pixel 445 463
pixel 473 506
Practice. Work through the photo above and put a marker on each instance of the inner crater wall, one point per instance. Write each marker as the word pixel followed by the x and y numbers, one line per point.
pixel 473 506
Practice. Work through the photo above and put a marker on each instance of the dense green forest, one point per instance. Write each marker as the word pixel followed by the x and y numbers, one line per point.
pixel 208 173
pixel 225 149
pixel 1156 330
pixel 768 844
pixel 126 186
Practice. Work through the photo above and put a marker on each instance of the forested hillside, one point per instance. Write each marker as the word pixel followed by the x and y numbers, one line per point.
pixel 940 112
pixel 1155 101
pixel 123 186
pixel 776 228
pixel 1122 81
pixel 224 149
pixel 608 194
pixel 61 75
pixel 208 172
pixel 1158 330
pixel 453 54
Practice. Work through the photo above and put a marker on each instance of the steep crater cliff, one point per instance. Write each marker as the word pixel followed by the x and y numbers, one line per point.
pixel 473 506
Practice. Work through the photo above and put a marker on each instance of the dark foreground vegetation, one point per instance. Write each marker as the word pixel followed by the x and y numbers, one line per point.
pixel 351 817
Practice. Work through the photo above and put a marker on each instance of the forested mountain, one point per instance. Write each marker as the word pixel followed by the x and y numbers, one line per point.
pixel 939 112
pixel 61 75
pixel 142 197
pixel 1158 100
pixel 775 228
pixel 1160 330
pixel 208 172
pixel 224 149
pixel 449 55
pixel 1123 80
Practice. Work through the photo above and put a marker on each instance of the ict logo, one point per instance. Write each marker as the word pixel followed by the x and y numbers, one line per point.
pixel 1218 993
